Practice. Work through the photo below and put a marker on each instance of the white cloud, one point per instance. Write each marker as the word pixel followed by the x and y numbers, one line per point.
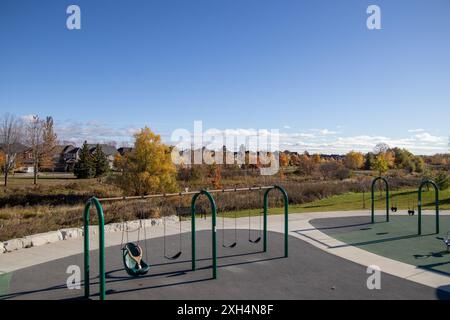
pixel 312 140
pixel 27 118
pixel 92 132
pixel 325 132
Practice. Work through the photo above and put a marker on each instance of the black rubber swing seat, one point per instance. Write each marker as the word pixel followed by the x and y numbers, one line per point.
pixel 132 260
pixel 175 257
pixel 256 240
pixel 233 245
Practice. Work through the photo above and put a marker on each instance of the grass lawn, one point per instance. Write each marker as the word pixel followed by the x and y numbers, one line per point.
pixel 45 179
pixel 354 202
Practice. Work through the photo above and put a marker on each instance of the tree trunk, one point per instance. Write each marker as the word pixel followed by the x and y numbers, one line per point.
pixel 6 176
pixel 35 173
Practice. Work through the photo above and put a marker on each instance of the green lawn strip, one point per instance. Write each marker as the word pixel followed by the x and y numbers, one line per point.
pixel 5 279
pixel 398 240
pixel 403 199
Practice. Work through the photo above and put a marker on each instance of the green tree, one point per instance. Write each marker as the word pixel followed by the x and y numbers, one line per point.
pixel 369 160
pixel 84 168
pixel 100 162
pixel 442 180
pixel 380 165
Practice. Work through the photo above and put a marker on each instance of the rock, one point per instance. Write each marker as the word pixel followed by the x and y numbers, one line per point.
pixel 71 233
pixel 12 245
pixel 133 225
pixel 26 243
pixel 172 219
pixel 113 227
pixel 2 248
pixel 44 238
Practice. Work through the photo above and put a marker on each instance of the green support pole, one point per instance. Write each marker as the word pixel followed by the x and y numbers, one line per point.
pixel 436 194
pixel 286 218
pixel 213 230
pixel 87 262
pixel 193 258
pixel 101 244
pixel 373 198
pixel 266 205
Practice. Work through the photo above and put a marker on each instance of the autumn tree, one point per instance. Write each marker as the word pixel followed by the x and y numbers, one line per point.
pixel 148 168
pixel 216 174
pixel 284 162
pixel 2 161
pixel 49 143
pixel 380 165
pixel 10 135
pixel 316 158
pixel 306 165
pixel 354 160
pixel 34 133
pixel 380 148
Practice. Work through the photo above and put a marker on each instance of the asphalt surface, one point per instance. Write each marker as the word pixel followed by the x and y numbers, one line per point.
pixel 244 273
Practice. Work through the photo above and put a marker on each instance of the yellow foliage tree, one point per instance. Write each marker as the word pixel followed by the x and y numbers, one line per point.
pixel 354 160
pixel 148 168
pixel 2 161
pixel 316 158
pixel 390 159
pixel 284 159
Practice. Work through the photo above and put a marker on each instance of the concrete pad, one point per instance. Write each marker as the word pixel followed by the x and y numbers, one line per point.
pixel 243 273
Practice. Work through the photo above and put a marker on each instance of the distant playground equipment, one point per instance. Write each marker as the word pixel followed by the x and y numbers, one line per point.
pixel 394 207
pixel 447 241
pixel 411 205
pixel 436 203
pixel 132 253
pixel 374 182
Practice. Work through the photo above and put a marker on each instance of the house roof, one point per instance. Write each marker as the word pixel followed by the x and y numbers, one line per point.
pixel 72 150
pixel 16 147
pixel 107 149
pixel 124 150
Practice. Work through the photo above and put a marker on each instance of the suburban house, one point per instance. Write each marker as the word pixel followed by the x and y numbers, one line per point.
pixel 71 154
pixel 108 150
pixel 124 150
pixel 64 157
pixel 18 152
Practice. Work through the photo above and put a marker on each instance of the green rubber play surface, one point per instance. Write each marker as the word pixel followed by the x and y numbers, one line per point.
pixel 5 279
pixel 397 240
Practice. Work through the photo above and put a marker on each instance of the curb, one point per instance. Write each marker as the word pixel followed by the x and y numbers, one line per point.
pixel 41 239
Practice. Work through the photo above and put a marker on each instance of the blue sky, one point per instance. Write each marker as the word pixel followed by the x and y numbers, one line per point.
pixel 310 68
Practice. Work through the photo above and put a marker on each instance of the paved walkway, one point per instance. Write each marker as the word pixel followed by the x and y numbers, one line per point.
pixel 299 227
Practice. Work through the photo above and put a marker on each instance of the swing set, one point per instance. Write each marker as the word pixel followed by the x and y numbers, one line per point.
pixel 411 209
pixel 132 252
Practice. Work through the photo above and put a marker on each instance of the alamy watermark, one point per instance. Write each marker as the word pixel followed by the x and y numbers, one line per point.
pixel 374 280
pixel 259 148
pixel 73 281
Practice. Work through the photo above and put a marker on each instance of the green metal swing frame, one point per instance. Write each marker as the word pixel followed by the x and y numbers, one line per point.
pixel 97 203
